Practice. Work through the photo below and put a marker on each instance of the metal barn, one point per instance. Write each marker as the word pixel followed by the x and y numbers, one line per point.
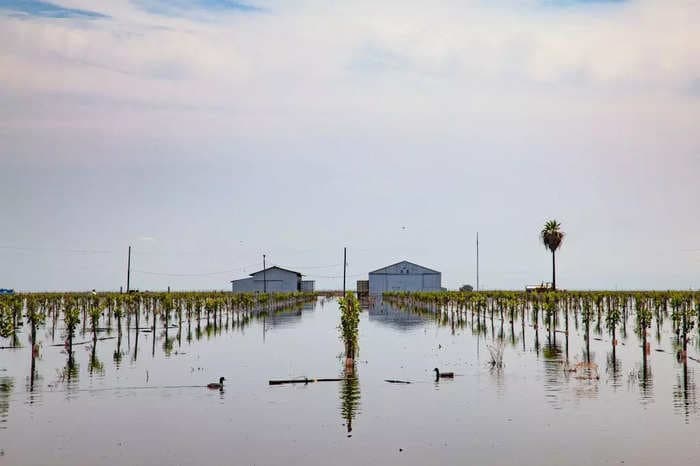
pixel 274 280
pixel 404 276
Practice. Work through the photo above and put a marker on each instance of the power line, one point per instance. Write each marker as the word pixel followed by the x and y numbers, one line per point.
pixel 334 276
pixel 204 274
pixel 314 266
pixel 44 249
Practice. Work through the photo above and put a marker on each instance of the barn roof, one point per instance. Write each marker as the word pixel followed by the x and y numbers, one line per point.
pixel 269 268
pixel 275 267
pixel 385 269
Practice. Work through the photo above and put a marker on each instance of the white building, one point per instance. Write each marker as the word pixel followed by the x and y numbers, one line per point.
pixel 404 276
pixel 273 280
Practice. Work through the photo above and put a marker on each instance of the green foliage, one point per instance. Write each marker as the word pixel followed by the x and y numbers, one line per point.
pixel 551 235
pixel 586 312
pixel 71 317
pixel 349 323
pixel 95 312
pixel 36 314
pixel 612 318
pixel 644 316
pixel 7 326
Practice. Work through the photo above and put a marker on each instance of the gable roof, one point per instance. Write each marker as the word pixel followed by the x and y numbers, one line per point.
pixel 275 267
pixel 384 269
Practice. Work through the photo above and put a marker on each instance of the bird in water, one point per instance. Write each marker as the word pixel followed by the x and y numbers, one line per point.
pixel 217 386
pixel 443 375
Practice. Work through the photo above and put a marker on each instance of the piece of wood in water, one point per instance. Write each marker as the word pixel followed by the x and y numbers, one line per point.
pixel 304 381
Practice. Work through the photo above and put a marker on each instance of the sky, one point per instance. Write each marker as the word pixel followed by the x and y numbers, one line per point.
pixel 206 133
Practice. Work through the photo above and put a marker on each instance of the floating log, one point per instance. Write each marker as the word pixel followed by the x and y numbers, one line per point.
pixel 397 381
pixel 304 381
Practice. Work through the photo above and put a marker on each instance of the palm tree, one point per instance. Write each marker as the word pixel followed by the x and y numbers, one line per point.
pixel 552 236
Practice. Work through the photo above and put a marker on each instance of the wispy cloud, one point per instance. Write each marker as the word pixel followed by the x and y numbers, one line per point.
pixel 46 10
pixel 583 2
pixel 183 7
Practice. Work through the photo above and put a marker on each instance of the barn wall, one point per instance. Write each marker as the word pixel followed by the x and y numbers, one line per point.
pixel 404 276
pixel 281 280
pixel 244 285
pixel 432 282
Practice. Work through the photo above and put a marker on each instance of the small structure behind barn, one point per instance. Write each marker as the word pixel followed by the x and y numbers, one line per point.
pixel 273 280
pixel 404 276
pixel 362 288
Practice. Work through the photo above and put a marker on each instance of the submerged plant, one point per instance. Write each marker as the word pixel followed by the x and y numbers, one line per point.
pixel 349 323
pixel 71 317
pixel 496 352
pixel 7 327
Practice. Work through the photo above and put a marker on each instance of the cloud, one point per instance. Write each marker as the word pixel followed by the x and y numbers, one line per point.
pixel 186 7
pixel 38 8
pixel 582 2
pixel 312 59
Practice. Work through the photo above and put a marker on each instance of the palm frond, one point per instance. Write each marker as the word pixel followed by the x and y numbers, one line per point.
pixel 551 235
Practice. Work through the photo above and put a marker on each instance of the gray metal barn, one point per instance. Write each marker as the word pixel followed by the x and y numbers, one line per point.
pixel 404 276
pixel 274 280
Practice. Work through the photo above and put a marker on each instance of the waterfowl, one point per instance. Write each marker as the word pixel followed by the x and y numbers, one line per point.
pixel 443 375
pixel 217 386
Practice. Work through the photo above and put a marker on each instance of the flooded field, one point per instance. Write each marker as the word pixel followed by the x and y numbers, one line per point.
pixel 142 399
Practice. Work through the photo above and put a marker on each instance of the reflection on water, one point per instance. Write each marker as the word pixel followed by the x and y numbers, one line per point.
pixel 70 374
pixel 95 366
pixel 645 379
pixel 389 315
pixel 143 372
pixel 350 398
pixel 613 369
pixel 552 333
pixel 6 385
pixel 684 393
pixel 555 373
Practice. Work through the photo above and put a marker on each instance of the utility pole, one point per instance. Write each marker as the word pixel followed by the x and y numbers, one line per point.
pixel 264 276
pixel 345 264
pixel 128 271
pixel 477 261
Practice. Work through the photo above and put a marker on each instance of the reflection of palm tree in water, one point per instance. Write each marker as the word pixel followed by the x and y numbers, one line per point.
pixel 349 397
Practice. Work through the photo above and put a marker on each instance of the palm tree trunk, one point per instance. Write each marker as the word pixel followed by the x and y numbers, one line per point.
pixel 554 273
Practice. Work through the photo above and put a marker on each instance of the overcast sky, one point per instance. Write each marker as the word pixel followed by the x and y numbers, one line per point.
pixel 205 133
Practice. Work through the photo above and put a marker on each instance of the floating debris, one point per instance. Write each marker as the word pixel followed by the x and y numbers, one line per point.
pixel 304 381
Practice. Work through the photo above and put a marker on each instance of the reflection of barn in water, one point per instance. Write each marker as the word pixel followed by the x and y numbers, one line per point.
pixel 289 316
pixel 387 314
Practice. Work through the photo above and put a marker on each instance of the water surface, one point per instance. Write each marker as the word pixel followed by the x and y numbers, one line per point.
pixel 147 403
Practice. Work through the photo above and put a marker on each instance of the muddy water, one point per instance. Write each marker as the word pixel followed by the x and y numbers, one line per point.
pixel 147 403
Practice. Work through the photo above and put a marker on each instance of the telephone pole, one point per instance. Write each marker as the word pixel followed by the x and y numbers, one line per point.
pixel 264 276
pixel 128 271
pixel 477 261
pixel 345 264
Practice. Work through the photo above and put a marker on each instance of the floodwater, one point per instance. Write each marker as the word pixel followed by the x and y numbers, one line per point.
pixel 147 404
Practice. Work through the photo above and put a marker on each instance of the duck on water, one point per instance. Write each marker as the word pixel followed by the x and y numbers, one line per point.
pixel 217 386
